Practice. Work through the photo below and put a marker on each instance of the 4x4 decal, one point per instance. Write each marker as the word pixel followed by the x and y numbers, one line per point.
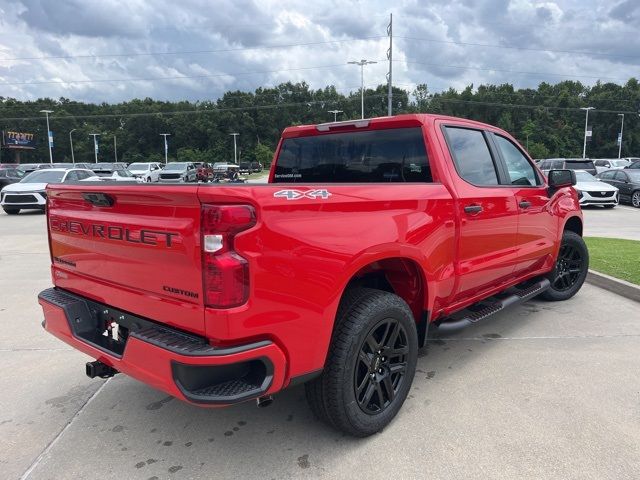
pixel 298 194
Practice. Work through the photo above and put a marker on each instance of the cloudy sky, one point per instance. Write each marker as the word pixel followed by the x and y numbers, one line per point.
pixel 109 50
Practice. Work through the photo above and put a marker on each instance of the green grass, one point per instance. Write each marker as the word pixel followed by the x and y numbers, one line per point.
pixel 616 257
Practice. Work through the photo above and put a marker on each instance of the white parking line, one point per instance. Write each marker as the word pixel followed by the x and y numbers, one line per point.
pixel 37 461
pixel 626 207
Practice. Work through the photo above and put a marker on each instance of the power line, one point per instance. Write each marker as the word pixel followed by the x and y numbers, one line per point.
pixel 175 77
pixel 537 74
pixel 530 49
pixel 192 52
pixel 208 110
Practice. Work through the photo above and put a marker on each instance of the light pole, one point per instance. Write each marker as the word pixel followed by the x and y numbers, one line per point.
pixel 586 121
pixel 115 149
pixel 73 158
pixel 166 145
pixel 335 114
pixel 235 147
pixel 49 135
pixel 95 144
pixel 621 131
pixel 362 63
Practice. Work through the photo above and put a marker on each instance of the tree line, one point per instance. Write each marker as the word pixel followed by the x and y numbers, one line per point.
pixel 547 120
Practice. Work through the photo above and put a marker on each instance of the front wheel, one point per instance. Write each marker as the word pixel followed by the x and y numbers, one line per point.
pixel 370 366
pixel 570 270
pixel 635 199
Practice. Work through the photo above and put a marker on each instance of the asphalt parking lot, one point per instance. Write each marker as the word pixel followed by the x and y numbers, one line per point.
pixel 544 390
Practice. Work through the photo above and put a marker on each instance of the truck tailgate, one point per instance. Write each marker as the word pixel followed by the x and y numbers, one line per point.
pixel 136 247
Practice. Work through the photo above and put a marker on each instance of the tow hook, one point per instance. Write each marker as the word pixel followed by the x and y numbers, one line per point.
pixel 265 401
pixel 99 369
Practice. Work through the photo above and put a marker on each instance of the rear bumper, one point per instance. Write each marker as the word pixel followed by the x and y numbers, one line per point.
pixel 182 365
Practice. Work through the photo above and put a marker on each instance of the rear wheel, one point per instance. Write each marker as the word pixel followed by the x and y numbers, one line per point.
pixel 370 365
pixel 570 270
pixel 635 199
pixel 11 211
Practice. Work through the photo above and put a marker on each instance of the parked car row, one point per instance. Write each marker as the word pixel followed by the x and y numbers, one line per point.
pixel 28 192
pixel 148 172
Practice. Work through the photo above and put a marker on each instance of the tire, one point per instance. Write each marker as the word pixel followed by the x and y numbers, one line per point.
pixel 148 180
pixel 11 211
pixel 565 280
pixel 635 199
pixel 370 365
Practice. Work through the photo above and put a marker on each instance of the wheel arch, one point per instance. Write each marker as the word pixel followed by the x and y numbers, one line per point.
pixel 402 276
pixel 573 224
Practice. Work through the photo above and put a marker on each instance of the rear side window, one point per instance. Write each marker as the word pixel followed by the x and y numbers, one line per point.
pixel 621 176
pixel 520 170
pixel 580 165
pixel 472 156
pixel 394 155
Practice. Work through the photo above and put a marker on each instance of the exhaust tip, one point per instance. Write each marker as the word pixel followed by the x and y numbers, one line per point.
pixel 265 401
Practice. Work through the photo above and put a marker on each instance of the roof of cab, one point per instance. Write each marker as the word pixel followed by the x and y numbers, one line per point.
pixel 395 121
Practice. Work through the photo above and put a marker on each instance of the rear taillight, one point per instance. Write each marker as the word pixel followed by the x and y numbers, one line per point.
pixel 225 274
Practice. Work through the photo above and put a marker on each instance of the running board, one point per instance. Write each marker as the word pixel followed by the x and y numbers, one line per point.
pixel 492 305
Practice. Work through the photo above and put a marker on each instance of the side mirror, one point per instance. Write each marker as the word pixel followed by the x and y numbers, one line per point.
pixel 561 178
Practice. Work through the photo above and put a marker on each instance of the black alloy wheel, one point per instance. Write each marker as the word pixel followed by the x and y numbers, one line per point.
pixel 381 366
pixel 568 268
pixel 635 199
pixel 571 268
pixel 370 364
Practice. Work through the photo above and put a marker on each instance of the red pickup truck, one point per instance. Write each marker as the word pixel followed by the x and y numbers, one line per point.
pixel 369 235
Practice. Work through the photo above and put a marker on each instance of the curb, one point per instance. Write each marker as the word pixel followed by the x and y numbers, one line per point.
pixel 615 285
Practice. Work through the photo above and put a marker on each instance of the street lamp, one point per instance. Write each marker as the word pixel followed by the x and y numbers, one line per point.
pixel 49 135
pixel 362 63
pixel 95 144
pixel 620 138
pixel 73 158
pixel 335 114
pixel 235 147
pixel 586 120
pixel 166 145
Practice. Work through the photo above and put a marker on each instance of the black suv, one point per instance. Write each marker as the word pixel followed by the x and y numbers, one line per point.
pixel 568 164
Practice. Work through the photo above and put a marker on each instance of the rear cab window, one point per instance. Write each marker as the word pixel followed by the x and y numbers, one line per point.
pixel 372 156
pixel 471 156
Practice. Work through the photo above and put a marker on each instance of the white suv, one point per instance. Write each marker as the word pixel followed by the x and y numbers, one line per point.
pixel 29 193
pixel 147 172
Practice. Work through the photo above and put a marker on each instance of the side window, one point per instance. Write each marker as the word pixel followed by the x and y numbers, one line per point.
pixel 71 177
pixel 472 156
pixel 621 176
pixel 520 170
pixel 543 165
pixel 607 175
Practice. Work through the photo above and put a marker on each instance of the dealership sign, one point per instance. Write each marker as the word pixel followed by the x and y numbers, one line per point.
pixel 18 140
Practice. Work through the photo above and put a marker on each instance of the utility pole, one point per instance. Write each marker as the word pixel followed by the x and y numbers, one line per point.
pixel 235 147
pixel 620 137
pixel 166 146
pixel 335 114
pixel 95 145
pixel 390 57
pixel 73 158
pixel 362 63
pixel 586 121
pixel 49 134
pixel 115 148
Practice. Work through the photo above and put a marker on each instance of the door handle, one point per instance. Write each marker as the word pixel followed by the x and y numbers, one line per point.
pixel 473 209
pixel 524 204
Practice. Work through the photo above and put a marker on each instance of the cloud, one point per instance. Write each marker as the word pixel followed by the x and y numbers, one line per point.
pixel 442 43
